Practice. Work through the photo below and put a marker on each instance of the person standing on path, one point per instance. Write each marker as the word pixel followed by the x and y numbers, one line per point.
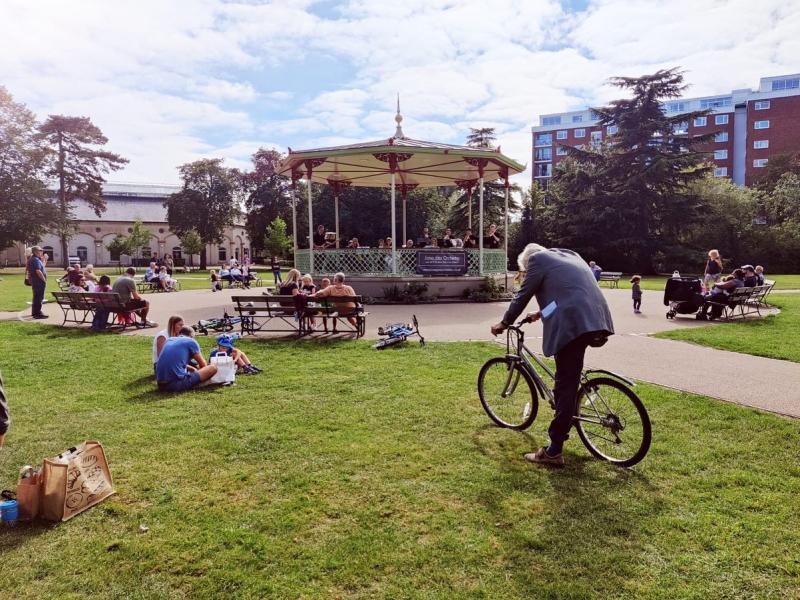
pixel 37 274
pixel 636 293
pixel 5 420
pixel 577 317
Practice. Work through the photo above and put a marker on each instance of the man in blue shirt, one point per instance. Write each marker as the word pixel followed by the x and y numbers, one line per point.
pixel 173 372
pixel 37 275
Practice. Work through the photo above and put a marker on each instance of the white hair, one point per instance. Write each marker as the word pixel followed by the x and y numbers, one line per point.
pixel 339 277
pixel 525 255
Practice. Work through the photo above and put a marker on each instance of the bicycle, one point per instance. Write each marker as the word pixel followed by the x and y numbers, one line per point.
pixel 607 407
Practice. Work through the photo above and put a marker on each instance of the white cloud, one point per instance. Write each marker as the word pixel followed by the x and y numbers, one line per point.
pixel 173 81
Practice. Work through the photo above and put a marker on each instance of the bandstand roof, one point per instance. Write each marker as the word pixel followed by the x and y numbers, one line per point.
pixel 416 163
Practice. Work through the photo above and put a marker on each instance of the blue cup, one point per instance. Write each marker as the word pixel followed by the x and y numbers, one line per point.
pixel 9 511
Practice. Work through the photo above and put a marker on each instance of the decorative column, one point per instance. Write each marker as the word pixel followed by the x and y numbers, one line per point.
pixel 310 166
pixel 296 174
pixel 337 186
pixel 504 175
pixel 404 189
pixel 480 163
pixel 393 158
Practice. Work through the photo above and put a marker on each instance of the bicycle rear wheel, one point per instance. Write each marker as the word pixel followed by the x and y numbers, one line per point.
pixel 507 393
pixel 612 422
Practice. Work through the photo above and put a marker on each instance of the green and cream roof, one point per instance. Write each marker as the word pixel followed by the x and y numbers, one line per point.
pixel 416 163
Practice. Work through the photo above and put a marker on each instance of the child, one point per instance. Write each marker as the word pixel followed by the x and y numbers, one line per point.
pixel 216 284
pixel 225 346
pixel 636 292
pixel 307 285
pixel 325 283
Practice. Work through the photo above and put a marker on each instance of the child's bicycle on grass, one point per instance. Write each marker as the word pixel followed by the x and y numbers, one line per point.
pixel 223 324
pixel 397 333
pixel 611 420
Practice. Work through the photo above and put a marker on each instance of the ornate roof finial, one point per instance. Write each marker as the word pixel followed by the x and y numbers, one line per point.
pixel 398 118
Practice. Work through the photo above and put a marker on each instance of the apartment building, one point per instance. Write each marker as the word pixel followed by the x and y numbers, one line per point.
pixel 749 127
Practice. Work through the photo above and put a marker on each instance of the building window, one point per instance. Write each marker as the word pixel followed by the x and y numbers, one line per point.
pixel 760 144
pixel 577 118
pixel 700 121
pixel 177 253
pixel 83 254
pixel 580 133
pixel 785 84
pixel 760 162
pixel 715 102
pixel 720 154
pixel 676 107
pixel 543 154
pixel 543 139
pixel 223 254
pixel 597 136
pixel 146 252
pixel 680 128
pixel 540 170
pixel 761 104
pixel 561 151
pixel 551 120
pixel 721 120
pixel 561 135
pixel 721 136
pixel 612 129
pixel 721 172
pixel 762 125
pixel 49 251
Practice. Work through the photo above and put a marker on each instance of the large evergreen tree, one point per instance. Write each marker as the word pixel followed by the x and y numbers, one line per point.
pixel 26 207
pixel 481 137
pixel 78 165
pixel 207 202
pixel 625 202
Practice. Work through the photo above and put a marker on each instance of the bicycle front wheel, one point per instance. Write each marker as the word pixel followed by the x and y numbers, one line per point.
pixel 612 422
pixel 507 393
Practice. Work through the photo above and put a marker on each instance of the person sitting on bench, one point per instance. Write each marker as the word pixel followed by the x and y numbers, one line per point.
pixel 173 372
pixel 339 289
pixel 717 299
pixel 125 286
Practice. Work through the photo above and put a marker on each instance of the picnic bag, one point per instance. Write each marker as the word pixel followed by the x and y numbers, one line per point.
pixel 29 492
pixel 226 368
pixel 73 481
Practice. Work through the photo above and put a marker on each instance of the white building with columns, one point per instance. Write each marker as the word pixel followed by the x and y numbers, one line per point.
pixel 125 204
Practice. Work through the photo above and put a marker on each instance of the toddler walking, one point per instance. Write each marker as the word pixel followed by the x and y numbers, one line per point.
pixel 636 293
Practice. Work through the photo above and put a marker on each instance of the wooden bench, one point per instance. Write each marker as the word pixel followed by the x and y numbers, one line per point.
pixel 82 306
pixel 144 287
pixel 612 277
pixel 278 314
pixel 744 301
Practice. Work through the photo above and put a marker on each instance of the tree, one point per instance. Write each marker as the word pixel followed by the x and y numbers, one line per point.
pixel 207 202
pixel 494 199
pixel 78 164
pixel 623 203
pixel 276 242
pixel 482 137
pixel 138 238
pixel 119 246
pixel 26 207
pixel 267 195
pixel 191 244
pixel 776 167
pixel 531 227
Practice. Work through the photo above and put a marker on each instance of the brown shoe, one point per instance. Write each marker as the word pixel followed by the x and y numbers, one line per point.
pixel 540 457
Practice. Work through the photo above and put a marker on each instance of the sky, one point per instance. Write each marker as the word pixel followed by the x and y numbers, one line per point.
pixel 171 81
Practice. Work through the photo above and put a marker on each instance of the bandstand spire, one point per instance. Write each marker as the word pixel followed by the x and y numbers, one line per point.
pixel 398 118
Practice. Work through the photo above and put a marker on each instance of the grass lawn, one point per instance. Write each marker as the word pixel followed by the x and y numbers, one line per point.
pixel 345 472
pixel 656 282
pixel 776 336
pixel 14 295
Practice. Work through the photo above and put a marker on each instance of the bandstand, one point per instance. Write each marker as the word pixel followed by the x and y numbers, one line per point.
pixel 402 164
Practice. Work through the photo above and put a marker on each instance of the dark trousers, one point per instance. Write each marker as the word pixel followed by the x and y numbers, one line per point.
pixel 276 273
pixel 38 295
pixel 637 303
pixel 569 364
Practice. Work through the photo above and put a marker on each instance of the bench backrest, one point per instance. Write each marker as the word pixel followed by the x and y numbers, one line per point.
pixel 280 305
pixel 89 300
pixel 610 275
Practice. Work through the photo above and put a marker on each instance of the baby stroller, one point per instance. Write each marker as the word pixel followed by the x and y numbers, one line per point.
pixel 683 295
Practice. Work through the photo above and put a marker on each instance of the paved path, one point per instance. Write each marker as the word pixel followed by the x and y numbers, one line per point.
pixel 767 384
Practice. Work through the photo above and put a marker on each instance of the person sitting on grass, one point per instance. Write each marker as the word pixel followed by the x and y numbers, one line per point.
pixel 338 290
pixel 174 326
pixel 216 284
pixel 173 372
pixel 125 286
pixel 5 420
pixel 225 346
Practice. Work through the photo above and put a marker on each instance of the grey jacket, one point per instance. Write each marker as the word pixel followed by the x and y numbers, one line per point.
pixel 564 277
pixel 5 419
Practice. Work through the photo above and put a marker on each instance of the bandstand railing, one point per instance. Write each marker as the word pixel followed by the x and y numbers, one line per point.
pixel 378 262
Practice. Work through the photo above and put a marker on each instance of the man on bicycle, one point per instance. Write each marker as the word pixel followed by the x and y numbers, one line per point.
pixel 576 316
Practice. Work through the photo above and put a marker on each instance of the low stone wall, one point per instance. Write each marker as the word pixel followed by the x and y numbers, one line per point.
pixel 443 287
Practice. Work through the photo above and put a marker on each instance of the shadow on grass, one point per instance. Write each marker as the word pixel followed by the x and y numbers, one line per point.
pixel 21 532
pixel 590 511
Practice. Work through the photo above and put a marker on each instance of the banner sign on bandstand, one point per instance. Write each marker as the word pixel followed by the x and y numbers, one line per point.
pixel 441 262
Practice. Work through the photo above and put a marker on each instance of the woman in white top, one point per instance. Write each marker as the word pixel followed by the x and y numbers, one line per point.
pixel 174 325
